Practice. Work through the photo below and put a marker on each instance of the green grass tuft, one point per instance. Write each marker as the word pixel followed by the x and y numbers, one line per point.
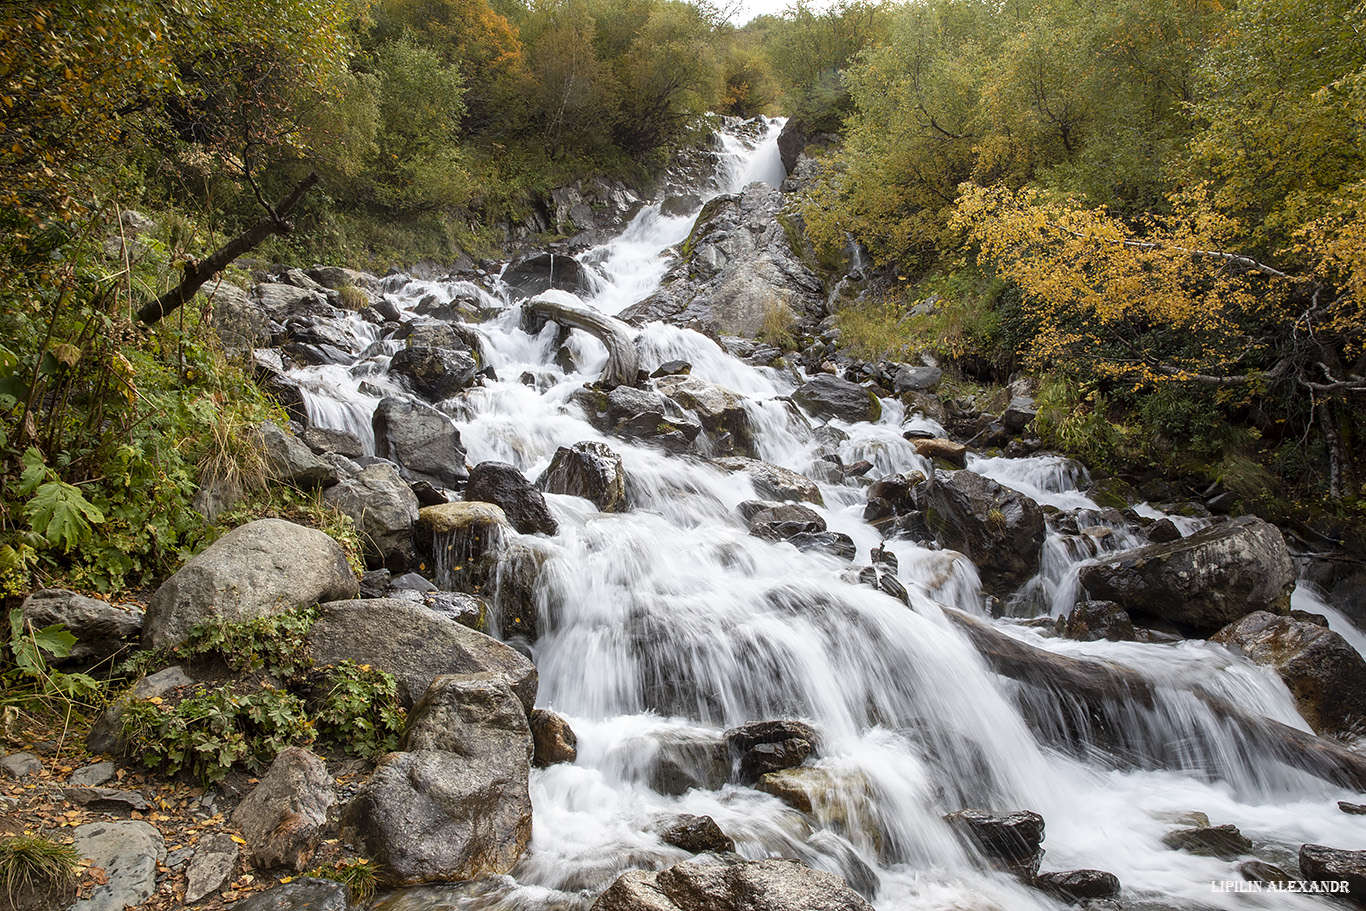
pixel 32 860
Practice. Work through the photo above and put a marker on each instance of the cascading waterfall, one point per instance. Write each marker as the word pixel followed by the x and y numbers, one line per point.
pixel 664 625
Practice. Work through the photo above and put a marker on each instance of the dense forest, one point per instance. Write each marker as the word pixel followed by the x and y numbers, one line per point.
pixel 1159 209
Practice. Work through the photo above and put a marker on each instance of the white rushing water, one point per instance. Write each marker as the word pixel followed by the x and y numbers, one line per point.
pixel 665 625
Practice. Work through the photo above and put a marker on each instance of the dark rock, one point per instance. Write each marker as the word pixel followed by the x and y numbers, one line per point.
pixel 290 462
pixel 1323 672
pixel 465 541
pixel 1078 885
pixel 1323 864
pixel 300 895
pixel 553 739
pixel 939 448
pixel 1163 531
pixel 284 817
pixel 1011 841
pixel 1019 414
pixel 538 273
pixel 684 761
pixel 102 630
pixel 435 374
pixel 697 835
pixel 719 411
pixel 589 470
pixel 775 884
pixel 421 440
pixel 910 378
pixel 831 397
pixel 671 368
pixel 772 757
pixel 504 486
pixel 835 543
pixel 998 529
pixel 259 569
pixel 1259 871
pixel 1224 842
pixel 434 816
pixel 1352 809
pixel 382 509
pixel 415 644
pixel 322 440
pixel 1092 620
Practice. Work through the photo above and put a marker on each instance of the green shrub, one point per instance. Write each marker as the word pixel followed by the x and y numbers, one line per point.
pixel 357 875
pixel 32 860
pixel 358 709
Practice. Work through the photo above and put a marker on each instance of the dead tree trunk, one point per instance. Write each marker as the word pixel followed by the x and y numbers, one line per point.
pixel 623 361
pixel 196 274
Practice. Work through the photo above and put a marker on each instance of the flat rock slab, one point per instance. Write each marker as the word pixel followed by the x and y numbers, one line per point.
pixel 214 862
pixel 107 799
pixel 300 895
pixel 21 765
pixel 91 776
pixel 128 851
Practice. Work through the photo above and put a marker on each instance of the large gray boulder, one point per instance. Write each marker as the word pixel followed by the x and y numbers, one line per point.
pixel 773 481
pixel 504 486
pixel 383 509
pixel 128 851
pixel 289 461
pixel 284 817
pixel 589 470
pixel 721 412
pixel 738 274
pixel 1322 671
pixel 475 715
pixel 415 644
pixel 260 569
pixel 998 529
pixel 434 816
pixel 434 373
pixel 422 440
pixel 1203 581
pixel 731 884
pixel 101 629
pixel 539 272
pixel 828 396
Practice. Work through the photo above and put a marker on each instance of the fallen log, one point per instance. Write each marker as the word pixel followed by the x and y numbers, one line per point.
pixel 623 360
pixel 1087 704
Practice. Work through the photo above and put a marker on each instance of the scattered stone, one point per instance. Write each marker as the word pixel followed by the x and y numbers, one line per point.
pixel 1259 871
pixel 833 397
pixel 1000 530
pixel 1077 886
pixel 436 374
pixel 128 851
pixel 1093 620
pixel 835 543
pixel 91 776
pixel 415 644
pixel 1323 864
pixel 259 569
pixel 697 835
pixel 102 630
pixel 215 859
pixel 1323 672
pixel 284 817
pixel 590 470
pixel 1224 842
pixel 731 884
pixel 1012 841
pixel 21 765
pixel 300 895
pixel 107 799
pixel 939 448
pixel 554 740
pixel 504 486
pixel 1204 581
pixel 289 461
pixel 422 440
pixel 382 509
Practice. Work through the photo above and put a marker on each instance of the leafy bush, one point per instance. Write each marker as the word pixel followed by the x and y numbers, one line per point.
pixel 358 709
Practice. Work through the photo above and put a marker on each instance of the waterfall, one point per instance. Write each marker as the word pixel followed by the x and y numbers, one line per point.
pixel 664 625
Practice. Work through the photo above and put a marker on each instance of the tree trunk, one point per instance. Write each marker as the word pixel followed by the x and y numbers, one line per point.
pixel 623 361
pixel 196 274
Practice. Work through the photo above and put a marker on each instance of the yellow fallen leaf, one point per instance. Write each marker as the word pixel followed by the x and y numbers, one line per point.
pixel 239 839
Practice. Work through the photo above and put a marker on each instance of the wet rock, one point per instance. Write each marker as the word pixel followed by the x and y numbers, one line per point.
pixel 422 440
pixel 775 884
pixel 589 470
pixel 697 835
pixel 289 461
pixel 284 817
pixel 1019 414
pixel 1092 620
pixel 1323 672
pixel 1319 863
pixel 1259 871
pixel 835 543
pixel 553 739
pixel 1352 809
pixel 1012 841
pixel 939 448
pixel 21 765
pixel 415 644
pixel 739 275
pixel 538 273
pixel 998 529
pixel 683 761
pixel 773 481
pixel 1204 581
pixel 779 523
pixel 128 851
pixel 435 374
pixel 323 440
pixel 832 397
pixel 720 412
pixel 102 630
pixel 1077 886
pixel 259 569
pixel 300 895
pixel 434 816
pixel 465 541
pixel 801 789
pixel 769 746
pixel 1163 531
pixel 1224 842
pixel 885 581
pixel 91 776
pixel 504 486
pixel 382 509
pixel 671 368
pixel 215 859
